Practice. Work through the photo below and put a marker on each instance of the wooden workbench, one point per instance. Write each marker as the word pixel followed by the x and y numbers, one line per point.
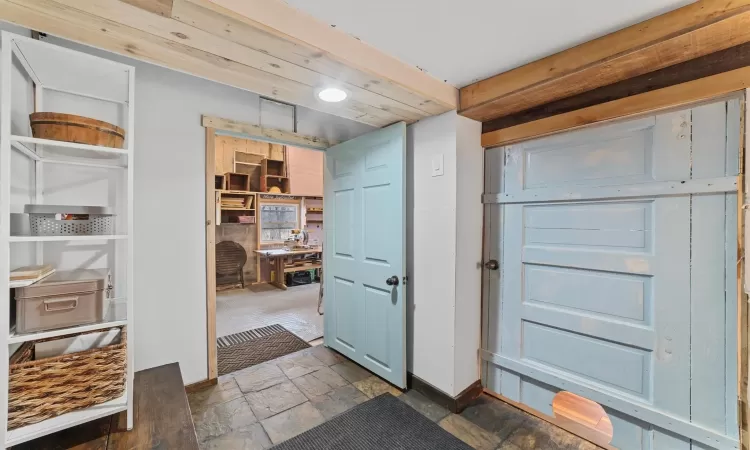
pixel 279 256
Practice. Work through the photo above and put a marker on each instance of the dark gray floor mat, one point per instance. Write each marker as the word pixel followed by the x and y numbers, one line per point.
pixel 383 423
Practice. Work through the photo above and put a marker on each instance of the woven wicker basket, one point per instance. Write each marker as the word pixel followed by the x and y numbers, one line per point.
pixel 39 390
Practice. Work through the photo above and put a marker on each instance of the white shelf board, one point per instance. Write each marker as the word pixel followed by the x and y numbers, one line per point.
pixel 26 150
pixel 71 419
pixel 93 237
pixel 73 162
pixel 31 154
pixel 63 148
pixel 109 322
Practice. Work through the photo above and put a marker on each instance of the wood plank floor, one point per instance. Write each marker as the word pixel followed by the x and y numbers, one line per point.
pixel 162 420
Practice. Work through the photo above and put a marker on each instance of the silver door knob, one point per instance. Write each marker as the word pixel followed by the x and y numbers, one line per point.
pixel 392 281
pixel 492 264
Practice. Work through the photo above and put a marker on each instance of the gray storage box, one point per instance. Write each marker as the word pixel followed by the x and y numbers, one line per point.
pixel 69 220
pixel 62 300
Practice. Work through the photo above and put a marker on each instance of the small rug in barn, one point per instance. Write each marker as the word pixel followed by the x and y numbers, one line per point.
pixel 248 348
pixel 383 423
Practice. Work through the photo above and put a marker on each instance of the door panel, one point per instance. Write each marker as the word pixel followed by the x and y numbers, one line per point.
pixel 626 297
pixel 365 203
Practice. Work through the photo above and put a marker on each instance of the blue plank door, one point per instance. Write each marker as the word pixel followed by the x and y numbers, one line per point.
pixel 365 251
pixel 618 252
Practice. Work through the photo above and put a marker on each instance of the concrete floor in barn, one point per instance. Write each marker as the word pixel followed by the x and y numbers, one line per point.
pixel 261 305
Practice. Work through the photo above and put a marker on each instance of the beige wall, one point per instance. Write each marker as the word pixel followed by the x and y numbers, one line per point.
pixel 305 168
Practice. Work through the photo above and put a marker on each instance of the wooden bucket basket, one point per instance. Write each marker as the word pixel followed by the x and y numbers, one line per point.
pixel 78 129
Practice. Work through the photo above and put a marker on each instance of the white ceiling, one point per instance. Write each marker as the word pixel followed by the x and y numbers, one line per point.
pixel 462 41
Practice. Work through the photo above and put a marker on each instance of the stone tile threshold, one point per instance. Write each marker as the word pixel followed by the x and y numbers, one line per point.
pixel 263 405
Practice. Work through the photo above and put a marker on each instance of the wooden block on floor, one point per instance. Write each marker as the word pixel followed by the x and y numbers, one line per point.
pixel 161 413
pixel 162 420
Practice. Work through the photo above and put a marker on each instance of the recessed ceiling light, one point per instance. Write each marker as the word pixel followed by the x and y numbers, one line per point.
pixel 332 95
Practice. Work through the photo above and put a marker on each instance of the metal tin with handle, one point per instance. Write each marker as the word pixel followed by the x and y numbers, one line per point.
pixel 68 303
pixel 64 299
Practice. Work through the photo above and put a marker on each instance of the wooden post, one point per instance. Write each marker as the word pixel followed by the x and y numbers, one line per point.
pixel 211 253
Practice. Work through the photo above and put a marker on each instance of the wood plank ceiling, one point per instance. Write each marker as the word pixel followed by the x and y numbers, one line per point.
pixel 204 39
pixel 686 34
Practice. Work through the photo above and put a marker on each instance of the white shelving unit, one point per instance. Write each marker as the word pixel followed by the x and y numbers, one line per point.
pixel 98 237
pixel 57 79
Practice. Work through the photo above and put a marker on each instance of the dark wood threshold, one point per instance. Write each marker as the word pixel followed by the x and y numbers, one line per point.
pixel 199 386
pixel 453 404
pixel 162 420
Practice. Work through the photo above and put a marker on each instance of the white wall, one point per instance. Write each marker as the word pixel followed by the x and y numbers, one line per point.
pixel 444 235
pixel 468 306
pixel 431 232
pixel 170 287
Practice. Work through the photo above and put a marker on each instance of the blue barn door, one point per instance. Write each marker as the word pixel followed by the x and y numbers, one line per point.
pixel 617 280
pixel 365 251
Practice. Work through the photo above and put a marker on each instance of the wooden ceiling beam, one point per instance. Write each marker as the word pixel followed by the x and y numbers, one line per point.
pixel 191 38
pixel 648 102
pixel 713 64
pixel 160 7
pixel 287 22
pixel 61 20
pixel 272 135
pixel 183 34
pixel 233 27
pixel 695 30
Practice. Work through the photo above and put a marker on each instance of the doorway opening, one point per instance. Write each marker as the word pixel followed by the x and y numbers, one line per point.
pixel 364 177
pixel 268 234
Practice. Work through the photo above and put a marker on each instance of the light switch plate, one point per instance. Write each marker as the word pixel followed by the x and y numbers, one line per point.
pixel 437 165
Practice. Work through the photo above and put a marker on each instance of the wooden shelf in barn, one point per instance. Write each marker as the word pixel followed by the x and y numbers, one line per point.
pixel 236 181
pixel 273 174
pixel 302 268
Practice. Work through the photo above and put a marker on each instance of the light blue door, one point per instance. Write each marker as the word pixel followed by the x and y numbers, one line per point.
pixel 364 261
pixel 618 275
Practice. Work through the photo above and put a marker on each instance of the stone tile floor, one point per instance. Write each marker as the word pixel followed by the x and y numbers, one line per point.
pixel 258 407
